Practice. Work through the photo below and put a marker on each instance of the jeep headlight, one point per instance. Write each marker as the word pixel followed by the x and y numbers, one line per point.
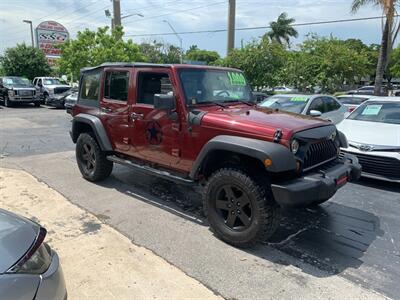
pixel 294 146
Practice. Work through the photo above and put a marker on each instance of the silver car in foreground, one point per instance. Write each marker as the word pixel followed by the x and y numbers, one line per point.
pixel 29 269
pixel 373 132
pixel 322 106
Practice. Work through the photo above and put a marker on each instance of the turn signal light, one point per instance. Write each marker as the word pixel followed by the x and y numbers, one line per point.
pixel 267 162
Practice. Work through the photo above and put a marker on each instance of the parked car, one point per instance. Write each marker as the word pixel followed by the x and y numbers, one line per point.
pixel 15 89
pixel 283 89
pixel 197 125
pixel 51 90
pixel 71 99
pixel 323 106
pixel 29 268
pixel 368 90
pixel 373 132
pixel 352 101
pixel 259 96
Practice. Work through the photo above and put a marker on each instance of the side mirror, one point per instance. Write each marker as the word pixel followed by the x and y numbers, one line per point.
pixel 164 102
pixel 315 113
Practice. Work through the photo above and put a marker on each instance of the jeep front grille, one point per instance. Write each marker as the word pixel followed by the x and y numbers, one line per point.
pixel 319 153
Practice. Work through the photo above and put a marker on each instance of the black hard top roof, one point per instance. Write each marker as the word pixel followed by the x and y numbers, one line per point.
pixel 149 65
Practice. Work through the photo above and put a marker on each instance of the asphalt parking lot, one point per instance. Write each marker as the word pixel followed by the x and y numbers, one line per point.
pixel 354 237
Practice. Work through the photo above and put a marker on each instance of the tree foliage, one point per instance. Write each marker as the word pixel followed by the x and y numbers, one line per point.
pixel 325 62
pixel 24 61
pixel 260 61
pixel 160 52
pixel 282 29
pixel 196 54
pixel 93 48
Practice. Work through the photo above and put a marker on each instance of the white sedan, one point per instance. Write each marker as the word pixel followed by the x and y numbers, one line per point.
pixel 373 132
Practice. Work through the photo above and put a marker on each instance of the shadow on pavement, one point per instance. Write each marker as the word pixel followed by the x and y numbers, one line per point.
pixel 379 184
pixel 332 237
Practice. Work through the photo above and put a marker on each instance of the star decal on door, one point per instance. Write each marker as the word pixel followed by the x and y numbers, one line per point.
pixel 154 133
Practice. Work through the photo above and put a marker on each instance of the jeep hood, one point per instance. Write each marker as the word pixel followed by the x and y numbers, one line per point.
pixel 258 121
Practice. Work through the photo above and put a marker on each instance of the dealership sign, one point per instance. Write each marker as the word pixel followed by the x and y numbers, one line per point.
pixel 48 35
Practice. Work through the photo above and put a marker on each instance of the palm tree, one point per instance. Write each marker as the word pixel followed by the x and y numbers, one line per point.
pixel 389 35
pixel 282 29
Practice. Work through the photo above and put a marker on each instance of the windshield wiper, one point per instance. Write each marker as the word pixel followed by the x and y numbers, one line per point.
pixel 212 102
pixel 241 101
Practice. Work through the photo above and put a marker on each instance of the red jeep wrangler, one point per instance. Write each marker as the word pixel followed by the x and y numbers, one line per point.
pixel 199 125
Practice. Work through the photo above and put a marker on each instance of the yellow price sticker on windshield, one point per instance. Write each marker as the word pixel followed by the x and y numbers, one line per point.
pixel 236 78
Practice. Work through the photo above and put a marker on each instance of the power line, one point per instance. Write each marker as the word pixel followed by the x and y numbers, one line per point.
pixel 176 12
pixel 259 27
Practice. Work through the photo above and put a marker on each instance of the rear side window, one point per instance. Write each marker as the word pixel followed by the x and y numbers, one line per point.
pixel 116 85
pixel 90 86
pixel 331 104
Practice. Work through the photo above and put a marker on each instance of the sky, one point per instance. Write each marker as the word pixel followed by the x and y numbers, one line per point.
pixel 185 15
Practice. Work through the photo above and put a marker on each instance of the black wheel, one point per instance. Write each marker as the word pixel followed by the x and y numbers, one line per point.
pixel 7 102
pixel 92 162
pixel 37 104
pixel 45 99
pixel 240 211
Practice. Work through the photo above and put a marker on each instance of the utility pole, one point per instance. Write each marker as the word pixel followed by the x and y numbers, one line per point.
pixel 179 38
pixel 30 23
pixel 117 12
pixel 231 25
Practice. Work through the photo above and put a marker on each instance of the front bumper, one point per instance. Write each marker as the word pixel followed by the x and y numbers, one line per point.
pixel 26 99
pixel 56 101
pixel 318 186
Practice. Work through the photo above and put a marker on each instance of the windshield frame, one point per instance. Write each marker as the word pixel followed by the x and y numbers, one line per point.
pixel 20 81
pixel 362 106
pixel 207 101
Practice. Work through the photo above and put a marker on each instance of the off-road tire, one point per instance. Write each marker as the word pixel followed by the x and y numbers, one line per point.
pixel 265 212
pixel 101 166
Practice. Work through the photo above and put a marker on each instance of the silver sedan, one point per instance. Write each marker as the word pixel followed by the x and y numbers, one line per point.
pixel 29 269
pixel 323 106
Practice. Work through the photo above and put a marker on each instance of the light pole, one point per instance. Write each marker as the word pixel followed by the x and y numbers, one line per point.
pixel 30 23
pixel 108 15
pixel 179 38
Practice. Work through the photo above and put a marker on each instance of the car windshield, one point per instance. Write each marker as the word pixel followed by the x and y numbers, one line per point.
pixel 352 100
pixel 382 112
pixel 292 103
pixel 52 81
pixel 17 81
pixel 214 86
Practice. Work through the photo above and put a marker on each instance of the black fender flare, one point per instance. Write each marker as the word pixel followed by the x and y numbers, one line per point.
pixel 282 158
pixel 97 127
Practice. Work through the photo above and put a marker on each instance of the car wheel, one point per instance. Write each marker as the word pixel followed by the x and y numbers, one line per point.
pixel 37 104
pixel 7 102
pixel 92 161
pixel 240 211
pixel 46 99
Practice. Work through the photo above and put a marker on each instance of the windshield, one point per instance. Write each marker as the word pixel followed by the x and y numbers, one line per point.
pixel 351 100
pixel 382 112
pixel 205 86
pixel 294 104
pixel 52 81
pixel 17 81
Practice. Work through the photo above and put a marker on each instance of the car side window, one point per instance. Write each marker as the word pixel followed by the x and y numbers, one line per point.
pixel 331 104
pixel 116 85
pixel 39 81
pixel 317 104
pixel 90 86
pixel 150 84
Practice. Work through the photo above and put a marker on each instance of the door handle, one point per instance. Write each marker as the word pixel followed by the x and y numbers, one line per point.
pixel 137 116
pixel 106 109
